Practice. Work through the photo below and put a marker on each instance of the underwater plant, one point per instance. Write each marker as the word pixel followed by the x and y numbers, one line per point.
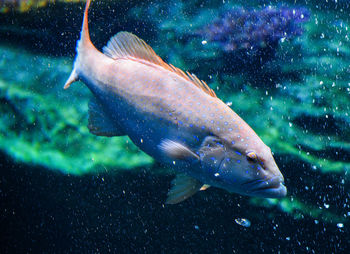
pixel 250 37
pixel 254 29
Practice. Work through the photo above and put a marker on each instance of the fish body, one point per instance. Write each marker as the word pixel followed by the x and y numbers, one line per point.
pixel 174 117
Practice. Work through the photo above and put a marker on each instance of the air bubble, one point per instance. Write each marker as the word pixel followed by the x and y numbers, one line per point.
pixel 243 222
pixel 340 225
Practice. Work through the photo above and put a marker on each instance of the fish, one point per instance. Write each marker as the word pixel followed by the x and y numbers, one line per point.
pixel 174 117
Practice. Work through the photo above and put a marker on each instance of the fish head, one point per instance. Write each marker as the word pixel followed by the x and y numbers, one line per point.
pixel 239 169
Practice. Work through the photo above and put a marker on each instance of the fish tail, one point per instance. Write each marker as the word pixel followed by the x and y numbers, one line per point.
pixel 82 46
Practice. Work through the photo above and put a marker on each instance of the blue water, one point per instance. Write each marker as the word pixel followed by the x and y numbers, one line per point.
pixel 66 191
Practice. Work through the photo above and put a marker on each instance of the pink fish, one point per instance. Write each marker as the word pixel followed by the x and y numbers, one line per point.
pixel 174 117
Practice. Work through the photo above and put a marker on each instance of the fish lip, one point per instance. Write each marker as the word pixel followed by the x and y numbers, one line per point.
pixel 269 188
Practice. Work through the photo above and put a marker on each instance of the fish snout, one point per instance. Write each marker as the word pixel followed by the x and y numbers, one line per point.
pixel 268 188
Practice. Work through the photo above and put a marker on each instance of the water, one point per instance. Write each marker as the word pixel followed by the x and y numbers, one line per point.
pixel 64 190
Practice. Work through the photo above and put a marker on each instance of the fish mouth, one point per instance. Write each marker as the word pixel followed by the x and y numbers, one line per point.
pixel 270 188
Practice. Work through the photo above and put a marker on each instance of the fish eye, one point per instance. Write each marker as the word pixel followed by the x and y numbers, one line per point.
pixel 252 157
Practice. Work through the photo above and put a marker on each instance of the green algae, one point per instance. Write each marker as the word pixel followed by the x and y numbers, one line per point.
pixel 45 125
pixel 316 107
pixel 299 209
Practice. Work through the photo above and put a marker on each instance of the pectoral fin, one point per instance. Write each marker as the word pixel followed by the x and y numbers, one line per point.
pixel 177 151
pixel 183 187
pixel 99 122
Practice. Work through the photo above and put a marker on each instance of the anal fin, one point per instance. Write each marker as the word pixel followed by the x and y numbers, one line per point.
pixel 100 123
pixel 183 187
pixel 204 187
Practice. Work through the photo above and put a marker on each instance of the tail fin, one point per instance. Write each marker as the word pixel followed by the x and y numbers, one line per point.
pixel 83 43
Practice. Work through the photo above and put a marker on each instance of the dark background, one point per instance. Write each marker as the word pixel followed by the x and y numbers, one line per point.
pixel 47 212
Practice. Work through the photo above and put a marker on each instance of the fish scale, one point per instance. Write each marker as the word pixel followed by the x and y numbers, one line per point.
pixel 174 117
pixel 166 103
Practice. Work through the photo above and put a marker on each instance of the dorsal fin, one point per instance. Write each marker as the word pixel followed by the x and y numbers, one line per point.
pixel 125 44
